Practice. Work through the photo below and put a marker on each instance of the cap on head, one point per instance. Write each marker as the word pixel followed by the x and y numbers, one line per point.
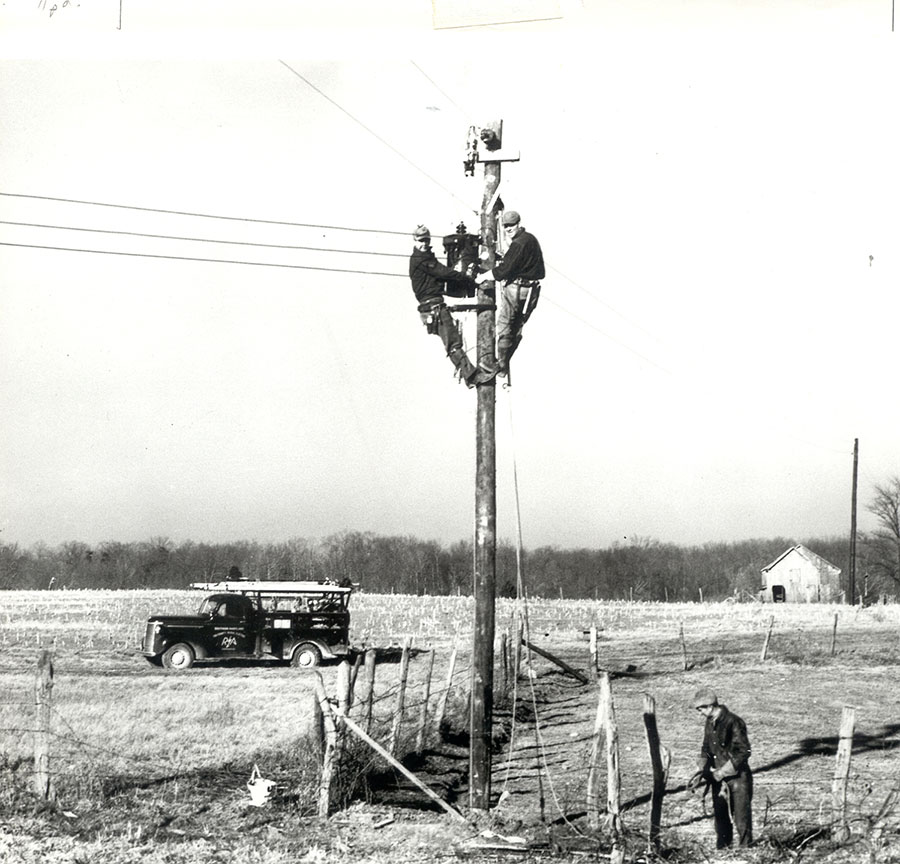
pixel 510 217
pixel 421 233
pixel 705 696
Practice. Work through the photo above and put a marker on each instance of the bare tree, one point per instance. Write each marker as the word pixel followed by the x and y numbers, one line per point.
pixel 883 545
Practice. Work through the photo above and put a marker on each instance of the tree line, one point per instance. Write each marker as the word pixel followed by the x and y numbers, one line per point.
pixel 639 569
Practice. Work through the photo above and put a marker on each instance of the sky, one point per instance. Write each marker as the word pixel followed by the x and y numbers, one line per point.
pixel 717 209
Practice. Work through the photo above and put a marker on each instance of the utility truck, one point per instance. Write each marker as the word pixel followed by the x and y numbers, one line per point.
pixel 301 623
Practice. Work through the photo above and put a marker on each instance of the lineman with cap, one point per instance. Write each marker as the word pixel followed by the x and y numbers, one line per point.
pixel 521 270
pixel 723 765
pixel 431 280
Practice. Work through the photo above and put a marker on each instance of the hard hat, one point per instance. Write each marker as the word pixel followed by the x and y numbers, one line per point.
pixel 421 232
pixel 705 696
pixel 510 217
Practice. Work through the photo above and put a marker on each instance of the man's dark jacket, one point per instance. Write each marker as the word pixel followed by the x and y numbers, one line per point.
pixel 523 260
pixel 427 275
pixel 725 740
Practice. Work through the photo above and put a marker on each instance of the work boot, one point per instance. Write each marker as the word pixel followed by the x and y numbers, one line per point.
pixel 482 376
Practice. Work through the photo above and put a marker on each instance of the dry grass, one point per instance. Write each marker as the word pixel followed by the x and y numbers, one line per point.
pixel 153 765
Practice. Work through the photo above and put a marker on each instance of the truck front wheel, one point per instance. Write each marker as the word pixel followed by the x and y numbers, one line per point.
pixel 307 656
pixel 180 656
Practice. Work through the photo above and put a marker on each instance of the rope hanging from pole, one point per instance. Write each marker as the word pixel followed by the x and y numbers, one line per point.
pixel 521 611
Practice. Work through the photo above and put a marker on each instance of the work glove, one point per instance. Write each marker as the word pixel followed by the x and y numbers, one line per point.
pixel 727 770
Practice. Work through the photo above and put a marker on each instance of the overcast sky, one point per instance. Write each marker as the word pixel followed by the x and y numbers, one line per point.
pixel 718 323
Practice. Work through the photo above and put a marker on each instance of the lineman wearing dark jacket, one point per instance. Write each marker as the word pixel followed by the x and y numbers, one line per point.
pixel 723 764
pixel 431 280
pixel 521 270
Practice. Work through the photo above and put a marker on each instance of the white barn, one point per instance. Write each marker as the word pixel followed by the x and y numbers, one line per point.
pixel 800 576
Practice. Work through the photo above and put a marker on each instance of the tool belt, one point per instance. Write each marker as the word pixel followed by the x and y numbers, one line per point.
pixel 430 313
pixel 533 286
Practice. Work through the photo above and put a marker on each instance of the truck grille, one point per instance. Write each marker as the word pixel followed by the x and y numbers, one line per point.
pixel 149 637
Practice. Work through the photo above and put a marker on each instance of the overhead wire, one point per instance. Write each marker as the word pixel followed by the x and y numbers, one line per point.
pixel 201 239
pixel 372 132
pixel 204 260
pixel 200 215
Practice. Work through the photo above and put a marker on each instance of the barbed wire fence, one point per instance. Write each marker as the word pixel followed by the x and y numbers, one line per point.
pixel 791 807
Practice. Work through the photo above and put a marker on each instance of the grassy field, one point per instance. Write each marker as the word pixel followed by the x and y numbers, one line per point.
pixel 152 766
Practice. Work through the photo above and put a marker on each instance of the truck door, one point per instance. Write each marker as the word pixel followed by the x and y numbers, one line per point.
pixel 233 633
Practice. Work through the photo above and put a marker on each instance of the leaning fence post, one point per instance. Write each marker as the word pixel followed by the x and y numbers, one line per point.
pixel 765 648
pixel 423 710
pixel 659 779
pixel 841 775
pixel 594 660
pixel 43 685
pixel 834 633
pixel 401 698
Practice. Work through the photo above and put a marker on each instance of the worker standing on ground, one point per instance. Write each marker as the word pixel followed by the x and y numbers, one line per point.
pixel 521 270
pixel 723 764
pixel 431 280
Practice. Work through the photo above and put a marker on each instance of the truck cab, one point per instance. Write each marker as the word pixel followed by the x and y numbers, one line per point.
pixel 301 623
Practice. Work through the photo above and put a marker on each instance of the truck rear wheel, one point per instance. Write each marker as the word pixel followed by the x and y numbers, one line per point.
pixel 307 656
pixel 180 656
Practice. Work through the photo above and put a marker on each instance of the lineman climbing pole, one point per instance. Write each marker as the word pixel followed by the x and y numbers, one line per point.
pixel 482 703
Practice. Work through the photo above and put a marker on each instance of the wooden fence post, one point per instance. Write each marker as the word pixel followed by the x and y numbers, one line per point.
pixel 659 779
pixel 423 710
pixel 445 693
pixel 328 757
pixel 517 651
pixel 613 776
pixel 765 648
pixel 401 698
pixel 357 661
pixel 593 780
pixel 43 686
pixel 684 654
pixel 595 663
pixel 834 633
pixel 370 688
pixel 840 830
pixel 504 665
pixel 343 687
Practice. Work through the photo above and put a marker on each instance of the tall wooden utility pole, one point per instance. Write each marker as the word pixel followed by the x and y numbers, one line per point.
pixel 851 578
pixel 482 703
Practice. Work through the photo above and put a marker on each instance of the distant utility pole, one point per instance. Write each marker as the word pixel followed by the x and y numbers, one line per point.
pixel 482 702
pixel 851 577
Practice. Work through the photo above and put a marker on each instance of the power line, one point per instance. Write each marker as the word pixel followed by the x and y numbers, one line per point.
pixel 201 215
pixel 436 87
pixel 611 308
pixel 206 260
pixel 607 335
pixel 374 134
pixel 200 239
